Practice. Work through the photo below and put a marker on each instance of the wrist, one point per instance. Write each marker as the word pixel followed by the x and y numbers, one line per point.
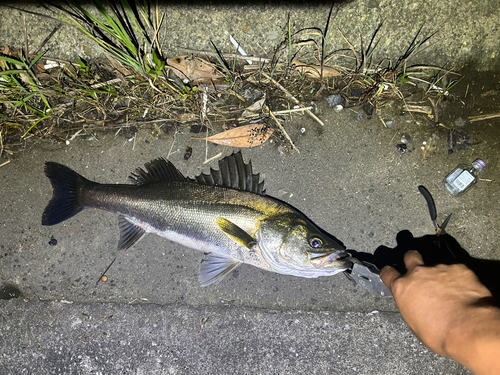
pixel 475 341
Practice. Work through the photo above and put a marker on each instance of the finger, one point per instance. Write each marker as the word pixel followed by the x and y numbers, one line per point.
pixel 389 275
pixel 413 259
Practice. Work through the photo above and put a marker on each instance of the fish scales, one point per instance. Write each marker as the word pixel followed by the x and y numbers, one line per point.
pixel 188 209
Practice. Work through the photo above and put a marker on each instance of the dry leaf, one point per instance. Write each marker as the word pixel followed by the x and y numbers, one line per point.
pixel 242 136
pixel 194 69
pixel 315 70
pixel 252 109
pixel 119 66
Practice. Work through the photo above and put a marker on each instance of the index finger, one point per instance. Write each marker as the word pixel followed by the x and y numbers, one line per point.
pixel 413 259
pixel 389 275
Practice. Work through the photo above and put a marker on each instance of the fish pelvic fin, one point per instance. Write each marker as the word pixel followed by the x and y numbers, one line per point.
pixel 66 199
pixel 214 268
pixel 236 233
pixel 157 170
pixel 129 233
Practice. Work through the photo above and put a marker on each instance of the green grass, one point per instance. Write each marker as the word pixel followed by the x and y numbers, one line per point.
pixel 128 33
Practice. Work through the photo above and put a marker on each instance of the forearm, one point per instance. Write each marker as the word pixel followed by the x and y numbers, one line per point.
pixel 476 343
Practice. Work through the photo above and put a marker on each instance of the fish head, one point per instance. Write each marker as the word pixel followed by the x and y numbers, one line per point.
pixel 291 244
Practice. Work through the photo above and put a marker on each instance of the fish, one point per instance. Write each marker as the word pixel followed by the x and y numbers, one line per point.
pixel 226 214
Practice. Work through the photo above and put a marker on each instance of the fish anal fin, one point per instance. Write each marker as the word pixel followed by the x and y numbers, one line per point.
pixel 129 233
pixel 215 268
pixel 236 233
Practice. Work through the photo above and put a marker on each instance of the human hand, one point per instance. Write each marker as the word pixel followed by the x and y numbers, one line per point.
pixel 448 309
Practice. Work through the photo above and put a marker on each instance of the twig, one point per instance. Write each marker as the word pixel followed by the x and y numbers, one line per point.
pixel 171 147
pixel 350 45
pixel 213 157
pixel 292 98
pixel 7 162
pixel 228 55
pixel 434 106
pixel 283 112
pixel 394 136
pixel 177 321
pixel 110 82
pixel 382 121
pixel 283 131
pixel 483 117
pixel 104 273
pixel 420 109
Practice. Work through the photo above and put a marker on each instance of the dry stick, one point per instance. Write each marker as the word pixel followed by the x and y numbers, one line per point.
pixel 351 46
pixel 292 98
pixel 434 106
pixel 228 55
pixel 157 30
pixel 483 117
pixel 418 108
pixel 394 136
pixel 104 273
pixel 283 131
pixel 282 112
pixel 110 82
pixel 213 157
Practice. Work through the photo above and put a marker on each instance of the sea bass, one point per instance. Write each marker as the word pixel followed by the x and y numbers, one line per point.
pixel 226 214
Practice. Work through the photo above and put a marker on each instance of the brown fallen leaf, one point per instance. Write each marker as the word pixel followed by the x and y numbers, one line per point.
pixel 194 69
pixel 242 136
pixel 315 70
pixel 119 66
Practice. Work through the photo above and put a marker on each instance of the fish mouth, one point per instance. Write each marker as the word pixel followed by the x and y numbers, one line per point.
pixel 333 258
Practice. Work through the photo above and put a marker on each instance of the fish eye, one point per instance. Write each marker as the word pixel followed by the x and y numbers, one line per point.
pixel 315 242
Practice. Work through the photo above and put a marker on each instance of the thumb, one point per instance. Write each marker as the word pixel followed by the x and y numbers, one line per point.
pixel 389 275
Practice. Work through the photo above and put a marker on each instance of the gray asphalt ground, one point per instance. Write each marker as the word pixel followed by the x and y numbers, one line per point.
pixel 153 339
pixel 152 317
pixel 345 179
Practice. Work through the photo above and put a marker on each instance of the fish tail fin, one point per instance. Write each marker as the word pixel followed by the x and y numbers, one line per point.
pixel 66 200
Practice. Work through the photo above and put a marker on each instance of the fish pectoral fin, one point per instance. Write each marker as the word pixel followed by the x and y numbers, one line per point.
pixel 129 233
pixel 236 233
pixel 215 267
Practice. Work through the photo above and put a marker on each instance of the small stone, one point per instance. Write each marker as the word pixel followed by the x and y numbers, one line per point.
pixel 333 100
pixel 360 117
pixel 405 139
pixel 104 278
pixel 460 122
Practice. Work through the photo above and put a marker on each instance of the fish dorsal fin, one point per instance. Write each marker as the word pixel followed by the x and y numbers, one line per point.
pixel 233 173
pixel 157 170
pixel 214 268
